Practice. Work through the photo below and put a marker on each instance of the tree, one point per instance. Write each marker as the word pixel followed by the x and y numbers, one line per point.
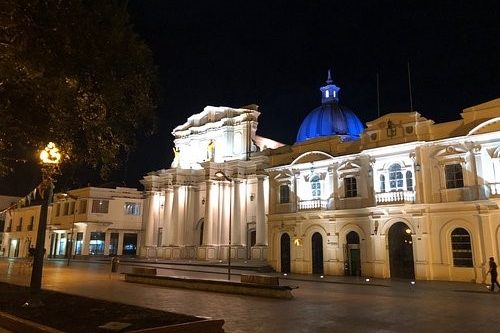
pixel 75 73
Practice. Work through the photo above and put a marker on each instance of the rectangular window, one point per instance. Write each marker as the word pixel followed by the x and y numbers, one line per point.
pixel 83 207
pixel 58 209
pixel 66 208
pixel 32 222
pixel 284 194
pixel 100 206
pixel 71 207
pixel 132 208
pixel 79 243
pixel 351 189
pixel 96 245
pixel 20 225
pixel 454 176
pixel 160 235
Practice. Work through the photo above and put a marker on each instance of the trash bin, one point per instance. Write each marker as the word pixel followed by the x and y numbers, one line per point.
pixel 114 264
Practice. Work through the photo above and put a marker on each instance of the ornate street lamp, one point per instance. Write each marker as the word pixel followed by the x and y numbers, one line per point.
pixel 50 158
pixel 222 175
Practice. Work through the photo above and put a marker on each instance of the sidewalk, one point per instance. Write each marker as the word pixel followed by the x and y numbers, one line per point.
pixel 218 268
pixel 331 304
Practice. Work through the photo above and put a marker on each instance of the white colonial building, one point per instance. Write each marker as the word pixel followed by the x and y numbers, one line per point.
pixel 403 197
pixel 20 228
pixel 215 193
pixel 6 203
pixel 99 221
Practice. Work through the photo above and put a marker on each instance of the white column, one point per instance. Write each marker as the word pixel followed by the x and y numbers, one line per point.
pixel 225 217
pixel 236 218
pixel 107 238
pixel 150 220
pixel 180 219
pixel 211 200
pixel 260 214
pixel 218 237
pixel 120 244
pixel 86 241
pixel 167 216
pixel 172 234
pixel 193 215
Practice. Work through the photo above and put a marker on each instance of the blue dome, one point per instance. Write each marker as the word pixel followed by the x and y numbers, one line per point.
pixel 330 118
pixel 327 120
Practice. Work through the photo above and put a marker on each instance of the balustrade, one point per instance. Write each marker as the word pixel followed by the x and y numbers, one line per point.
pixel 312 204
pixel 395 197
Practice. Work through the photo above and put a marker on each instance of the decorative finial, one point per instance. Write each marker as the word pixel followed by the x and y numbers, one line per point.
pixel 329 79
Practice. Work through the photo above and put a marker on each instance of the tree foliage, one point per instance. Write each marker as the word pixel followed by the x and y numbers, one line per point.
pixel 75 73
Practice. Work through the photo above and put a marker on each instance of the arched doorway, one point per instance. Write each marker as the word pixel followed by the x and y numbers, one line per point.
pixel 401 252
pixel 199 230
pixel 317 253
pixel 285 253
pixel 352 255
pixel 251 239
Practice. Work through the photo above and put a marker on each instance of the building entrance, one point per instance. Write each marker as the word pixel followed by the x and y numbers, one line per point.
pixel 285 253
pixel 129 244
pixel 401 251
pixel 317 253
pixel 353 255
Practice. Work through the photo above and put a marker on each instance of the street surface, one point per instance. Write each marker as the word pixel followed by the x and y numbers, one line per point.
pixel 332 304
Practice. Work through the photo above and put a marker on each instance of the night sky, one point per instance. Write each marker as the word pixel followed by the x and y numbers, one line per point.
pixel 276 54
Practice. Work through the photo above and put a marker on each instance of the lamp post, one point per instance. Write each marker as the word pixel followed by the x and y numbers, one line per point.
pixel 222 175
pixel 50 158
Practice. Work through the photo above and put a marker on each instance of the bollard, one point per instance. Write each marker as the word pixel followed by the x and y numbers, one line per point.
pixel 114 264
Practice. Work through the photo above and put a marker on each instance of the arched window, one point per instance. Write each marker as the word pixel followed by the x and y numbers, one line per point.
pixel 461 248
pixel 315 187
pixel 409 181
pixel 382 183
pixel 395 177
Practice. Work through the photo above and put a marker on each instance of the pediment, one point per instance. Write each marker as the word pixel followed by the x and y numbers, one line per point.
pixel 348 166
pixel 450 152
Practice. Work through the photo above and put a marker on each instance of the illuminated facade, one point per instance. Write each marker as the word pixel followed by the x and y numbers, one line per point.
pixel 99 221
pixel 404 197
pixel 20 228
pixel 189 208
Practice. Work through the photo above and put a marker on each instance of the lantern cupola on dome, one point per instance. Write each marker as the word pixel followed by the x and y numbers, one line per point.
pixel 330 118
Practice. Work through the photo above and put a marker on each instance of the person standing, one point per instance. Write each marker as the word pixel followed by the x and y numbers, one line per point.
pixel 494 274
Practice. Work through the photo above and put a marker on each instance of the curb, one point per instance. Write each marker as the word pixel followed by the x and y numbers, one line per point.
pixel 19 325
pixel 230 287
pixel 15 324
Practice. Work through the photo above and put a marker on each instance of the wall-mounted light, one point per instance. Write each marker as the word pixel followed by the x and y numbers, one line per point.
pixel 252 196
pixel 417 167
pixel 203 201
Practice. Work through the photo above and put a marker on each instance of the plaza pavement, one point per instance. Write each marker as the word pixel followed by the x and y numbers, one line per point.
pixel 328 304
